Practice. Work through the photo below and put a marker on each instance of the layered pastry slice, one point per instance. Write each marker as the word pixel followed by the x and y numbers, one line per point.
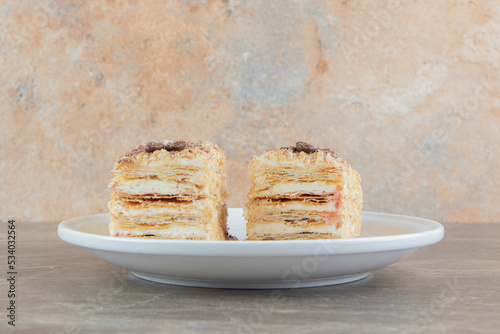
pixel 170 190
pixel 302 192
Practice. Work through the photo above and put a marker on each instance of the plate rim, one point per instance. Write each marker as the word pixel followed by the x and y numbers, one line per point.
pixel 246 248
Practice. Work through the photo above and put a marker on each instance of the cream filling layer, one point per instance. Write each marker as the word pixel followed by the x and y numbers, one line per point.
pixel 144 186
pixel 294 188
pixel 277 229
pixel 196 177
pixel 263 211
pixel 165 208
pixel 173 231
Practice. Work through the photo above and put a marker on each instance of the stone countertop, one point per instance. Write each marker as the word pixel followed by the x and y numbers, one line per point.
pixel 448 287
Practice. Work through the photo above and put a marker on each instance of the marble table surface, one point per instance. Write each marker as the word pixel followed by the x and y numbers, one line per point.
pixel 453 286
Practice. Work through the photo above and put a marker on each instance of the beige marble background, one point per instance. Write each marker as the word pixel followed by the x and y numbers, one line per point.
pixel 408 92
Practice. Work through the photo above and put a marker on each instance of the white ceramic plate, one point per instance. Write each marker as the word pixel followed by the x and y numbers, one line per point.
pixel 385 239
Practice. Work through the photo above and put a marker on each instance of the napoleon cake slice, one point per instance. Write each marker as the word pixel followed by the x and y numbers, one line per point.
pixel 302 192
pixel 170 190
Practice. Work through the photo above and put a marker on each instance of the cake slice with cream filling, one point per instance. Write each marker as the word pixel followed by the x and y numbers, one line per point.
pixel 302 192
pixel 170 190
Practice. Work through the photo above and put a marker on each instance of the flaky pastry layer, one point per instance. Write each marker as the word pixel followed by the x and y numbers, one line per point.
pixel 170 190
pixel 198 170
pixel 299 195
pixel 276 173
pixel 210 224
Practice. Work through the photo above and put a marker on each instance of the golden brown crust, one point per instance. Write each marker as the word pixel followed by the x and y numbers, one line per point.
pixel 169 146
pixel 284 156
pixel 143 157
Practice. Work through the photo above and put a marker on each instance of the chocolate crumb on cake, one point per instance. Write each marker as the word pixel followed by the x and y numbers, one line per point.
pixel 302 146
